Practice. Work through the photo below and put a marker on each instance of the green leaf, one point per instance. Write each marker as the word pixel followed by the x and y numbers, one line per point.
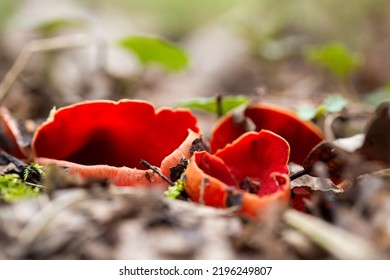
pixel 335 57
pixel 53 26
pixel 155 50
pixel 306 112
pixel 332 104
pixel 377 97
pixel 335 103
pixel 209 104
pixel 7 9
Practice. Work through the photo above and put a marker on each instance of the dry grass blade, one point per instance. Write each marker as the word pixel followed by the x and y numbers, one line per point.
pixel 201 211
pixel 340 243
pixel 384 173
pixel 42 45
pixel 38 222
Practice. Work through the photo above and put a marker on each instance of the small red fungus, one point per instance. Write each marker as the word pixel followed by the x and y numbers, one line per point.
pixel 10 135
pixel 298 197
pixel 251 173
pixel 107 139
pixel 301 135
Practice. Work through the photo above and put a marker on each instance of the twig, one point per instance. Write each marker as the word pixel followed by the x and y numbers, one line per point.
pixel 42 187
pixel 41 45
pixel 218 101
pixel 340 243
pixel 158 172
pixel 298 174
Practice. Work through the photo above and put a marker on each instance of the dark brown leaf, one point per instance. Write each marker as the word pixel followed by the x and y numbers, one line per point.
pixel 376 146
pixel 333 157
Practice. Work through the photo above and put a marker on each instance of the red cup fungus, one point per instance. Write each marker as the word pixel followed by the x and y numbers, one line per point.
pixel 301 135
pixel 107 139
pixel 251 174
pixel 10 135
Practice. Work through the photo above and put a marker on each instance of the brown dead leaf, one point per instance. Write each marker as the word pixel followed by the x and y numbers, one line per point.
pixel 315 184
pixel 332 156
pixel 356 155
pixel 376 146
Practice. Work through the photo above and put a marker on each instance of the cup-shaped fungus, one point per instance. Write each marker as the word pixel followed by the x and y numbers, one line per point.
pixel 107 139
pixel 251 174
pixel 301 135
pixel 10 138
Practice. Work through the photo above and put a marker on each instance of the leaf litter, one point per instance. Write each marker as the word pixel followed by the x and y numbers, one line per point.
pixel 75 218
pixel 101 221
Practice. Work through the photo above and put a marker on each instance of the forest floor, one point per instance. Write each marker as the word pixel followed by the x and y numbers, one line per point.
pixel 75 218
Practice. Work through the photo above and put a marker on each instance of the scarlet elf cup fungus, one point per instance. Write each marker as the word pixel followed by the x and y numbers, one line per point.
pixel 301 135
pixel 107 139
pixel 251 173
pixel 9 134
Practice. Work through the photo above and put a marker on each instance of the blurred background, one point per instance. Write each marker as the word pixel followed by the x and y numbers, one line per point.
pixel 291 52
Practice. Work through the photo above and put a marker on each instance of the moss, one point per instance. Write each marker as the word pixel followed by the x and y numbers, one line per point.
pixel 12 188
pixel 176 190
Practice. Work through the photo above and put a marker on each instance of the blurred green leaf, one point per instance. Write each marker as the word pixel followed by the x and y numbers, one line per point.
pixel 335 103
pixel 306 112
pixel 335 57
pixel 155 50
pixel 7 8
pixel 53 26
pixel 332 104
pixel 209 104
pixel 377 97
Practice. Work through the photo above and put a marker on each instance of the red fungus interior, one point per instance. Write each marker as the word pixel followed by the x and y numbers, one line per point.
pixel 302 136
pixel 113 133
pixel 215 167
pixel 254 157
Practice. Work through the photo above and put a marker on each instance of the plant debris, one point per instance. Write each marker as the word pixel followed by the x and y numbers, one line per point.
pixel 280 152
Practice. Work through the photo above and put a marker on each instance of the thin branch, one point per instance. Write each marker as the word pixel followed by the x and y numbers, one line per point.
pixel 42 187
pixel 298 174
pixel 158 172
pixel 41 45
pixel 218 101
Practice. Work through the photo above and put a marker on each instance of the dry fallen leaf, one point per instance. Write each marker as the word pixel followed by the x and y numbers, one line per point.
pixel 356 155
pixel 376 146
